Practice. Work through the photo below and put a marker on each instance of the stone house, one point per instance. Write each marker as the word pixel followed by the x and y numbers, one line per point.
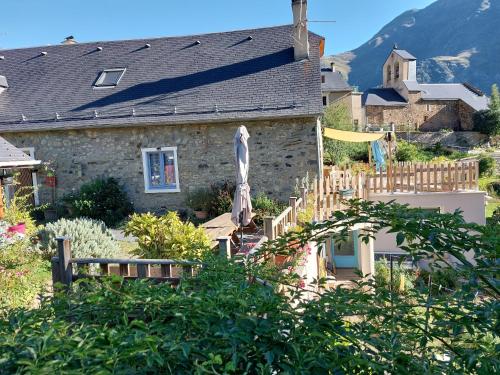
pixel 335 89
pixel 160 114
pixel 411 105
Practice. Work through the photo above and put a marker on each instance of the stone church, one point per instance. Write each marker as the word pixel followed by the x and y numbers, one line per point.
pixel 409 105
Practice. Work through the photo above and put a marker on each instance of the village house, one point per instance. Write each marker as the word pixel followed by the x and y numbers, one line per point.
pixel 409 105
pixel 159 115
pixel 335 89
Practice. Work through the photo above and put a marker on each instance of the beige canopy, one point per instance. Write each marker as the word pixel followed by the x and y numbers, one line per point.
pixel 346 136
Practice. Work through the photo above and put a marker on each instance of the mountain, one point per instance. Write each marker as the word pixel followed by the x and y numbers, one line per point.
pixel 453 40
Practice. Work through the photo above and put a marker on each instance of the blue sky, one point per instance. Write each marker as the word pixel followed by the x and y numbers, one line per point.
pixel 26 23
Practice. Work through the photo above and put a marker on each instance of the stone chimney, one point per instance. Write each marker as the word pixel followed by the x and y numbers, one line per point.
pixel 69 40
pixel 300 34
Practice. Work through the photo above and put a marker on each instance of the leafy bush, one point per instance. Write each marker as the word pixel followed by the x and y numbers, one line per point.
pixel 101 199
pixel 23 275
pixel 406 151
pixel 221 200
pixel 487 166
pixel 199 200
pixel 89 238
pixel 224 322
pixel 167 237
pixel 264 206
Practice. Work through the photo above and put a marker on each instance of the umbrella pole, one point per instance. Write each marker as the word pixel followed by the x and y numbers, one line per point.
pixel 241 229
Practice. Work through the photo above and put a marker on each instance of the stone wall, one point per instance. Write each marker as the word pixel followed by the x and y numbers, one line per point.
pixel 423 115
pixel 280 151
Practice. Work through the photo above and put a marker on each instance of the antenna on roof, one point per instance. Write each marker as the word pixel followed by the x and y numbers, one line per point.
pixel 395 46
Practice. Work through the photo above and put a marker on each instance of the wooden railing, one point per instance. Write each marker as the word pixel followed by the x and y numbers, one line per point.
pixel 426 177
pixel 277 226
pixel 161 270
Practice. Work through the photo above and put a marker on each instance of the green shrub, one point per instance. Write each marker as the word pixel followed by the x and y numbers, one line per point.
pixel 487 166
pixel 23 275
pixel 101 199
pixel 167 237
pixel 264 206
pixel 199 200
pixel 487 122
pixel 89 238
pixel 221 198
pixel 406 151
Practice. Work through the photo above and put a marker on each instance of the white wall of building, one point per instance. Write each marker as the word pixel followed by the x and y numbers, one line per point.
pixel 472 203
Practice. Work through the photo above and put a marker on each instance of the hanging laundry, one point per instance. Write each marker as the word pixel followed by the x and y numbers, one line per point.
pixel 378 156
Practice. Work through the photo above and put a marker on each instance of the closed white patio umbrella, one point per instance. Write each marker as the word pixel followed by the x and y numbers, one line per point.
pixel 242 205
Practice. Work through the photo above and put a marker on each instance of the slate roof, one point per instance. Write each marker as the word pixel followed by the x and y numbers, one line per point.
pixel 334 81
pixel 404 54
pixel 453 91
pixel 383 97
pixel 11 156
pixel 247 74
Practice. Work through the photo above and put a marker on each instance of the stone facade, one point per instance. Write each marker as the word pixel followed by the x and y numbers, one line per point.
pixel 423 115
pixel 280 151
pixel 399 74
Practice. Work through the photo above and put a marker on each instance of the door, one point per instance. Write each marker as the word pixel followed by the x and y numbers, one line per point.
pixel 345 253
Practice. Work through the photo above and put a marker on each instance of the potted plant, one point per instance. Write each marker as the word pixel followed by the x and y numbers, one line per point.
pixel 199 202
pixel 50 175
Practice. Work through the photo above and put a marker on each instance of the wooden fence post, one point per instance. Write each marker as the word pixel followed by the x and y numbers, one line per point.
pixel 268 227
pixel 56 276
pixel 64 255
pixel 224 246
pixel 292 201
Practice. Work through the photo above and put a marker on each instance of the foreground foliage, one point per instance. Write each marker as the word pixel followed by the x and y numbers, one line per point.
pixel 224 322
pixel 23 275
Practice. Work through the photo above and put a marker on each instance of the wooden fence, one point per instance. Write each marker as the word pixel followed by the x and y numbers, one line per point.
pixel 426 177
pixel 161 270
pixel 277 226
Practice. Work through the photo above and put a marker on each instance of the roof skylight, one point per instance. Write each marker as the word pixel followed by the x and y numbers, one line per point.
pixel 109 77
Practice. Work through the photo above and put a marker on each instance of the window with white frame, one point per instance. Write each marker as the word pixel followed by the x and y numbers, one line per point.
pixel 161 174
pixel 109 77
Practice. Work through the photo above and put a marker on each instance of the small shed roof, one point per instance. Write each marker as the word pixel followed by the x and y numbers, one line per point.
pixel 383 97
pixel 12 157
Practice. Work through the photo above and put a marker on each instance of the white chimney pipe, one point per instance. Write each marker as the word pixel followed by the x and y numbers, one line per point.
pixel 300 33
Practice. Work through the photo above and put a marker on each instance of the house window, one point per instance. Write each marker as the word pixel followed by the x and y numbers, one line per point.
pixel 325 100
pixel 426 118
pixel 389 73
pixel 109 77
pixel 161 174
pixel 396 70
pixel 428 108
pixel 322 79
